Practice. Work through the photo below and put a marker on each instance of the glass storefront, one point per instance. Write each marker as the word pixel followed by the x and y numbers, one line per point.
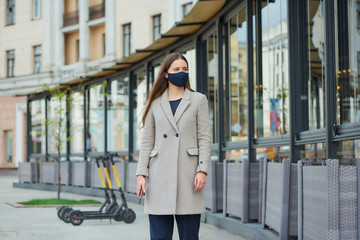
pixel 118 114
pixel 212 80
pixel 272 88
pixel 237 99
pixel 77 129
pixel 315 152
pixel 37 134
pixel 57 125
pixel 275 154
pixel 348 151
pixel 96 119
pixel 347 44
pixel 140 98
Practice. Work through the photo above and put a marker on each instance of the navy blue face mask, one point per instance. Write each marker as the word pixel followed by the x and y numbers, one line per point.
pixel 178 79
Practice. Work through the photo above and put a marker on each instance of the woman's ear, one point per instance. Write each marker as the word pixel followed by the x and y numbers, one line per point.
pixel 165 75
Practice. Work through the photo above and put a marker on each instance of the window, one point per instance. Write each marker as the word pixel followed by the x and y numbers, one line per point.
pixel 10 63
pixel 104 44
pixel 9 146
pixel 127 39
pixel 37 59
pixel 77 50
pixel 36 9
pixel 10 12
pixel 156 27
pixel 186 8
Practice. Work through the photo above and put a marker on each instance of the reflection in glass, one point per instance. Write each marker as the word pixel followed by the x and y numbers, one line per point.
pixel 347 43
pixel 313 92
pixel 37 133
pixel 212 94
pixel 118 115
pixel 275 154
pixel 77 123
pixel 348 151
pixel 315 152
pixel 56 133
pixel 190 55
pixel 96 119
pixel 140 99
pixel 272 89
pixel 238 79
pixel 236 155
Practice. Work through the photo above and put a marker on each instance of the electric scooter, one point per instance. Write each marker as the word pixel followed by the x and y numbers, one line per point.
pixel 122 212
pixel 64 211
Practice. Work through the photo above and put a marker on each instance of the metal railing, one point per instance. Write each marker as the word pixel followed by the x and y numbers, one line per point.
pixel 97 11
pixel 71 18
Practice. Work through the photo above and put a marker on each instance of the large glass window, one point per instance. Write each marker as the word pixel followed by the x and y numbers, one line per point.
pixel 57 125
pixel 275 154
pixel 313 89
pixel 118 115
pixel 96 119
pixel 140 97
pixel 315 152
pixel 36 9
pixel 10 12
pixel 272 88
pixel 347 43
pixel 37 133
pixel 8 146
pixel 212 75
pixel 237 99
pixel 77 123
pixel 37 59
pixel 348 151
pixel 156 27
pixel 10 63
pixel 190 55
pixel 127 40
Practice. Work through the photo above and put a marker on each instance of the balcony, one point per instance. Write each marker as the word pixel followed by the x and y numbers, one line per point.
pixel 71 18
pixel 97 11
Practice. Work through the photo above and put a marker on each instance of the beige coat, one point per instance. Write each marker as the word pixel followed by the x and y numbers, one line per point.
pixel 173 149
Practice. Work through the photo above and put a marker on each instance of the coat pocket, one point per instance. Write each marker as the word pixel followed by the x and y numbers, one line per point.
pixel 193 151
pixel 153 153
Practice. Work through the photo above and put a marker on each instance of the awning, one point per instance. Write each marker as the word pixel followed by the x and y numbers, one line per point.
pixel 200 14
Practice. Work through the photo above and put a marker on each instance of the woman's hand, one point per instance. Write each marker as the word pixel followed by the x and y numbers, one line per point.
pixel 200 181
pixel 140 185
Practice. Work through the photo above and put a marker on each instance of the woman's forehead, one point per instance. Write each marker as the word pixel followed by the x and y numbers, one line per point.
pixel 178 63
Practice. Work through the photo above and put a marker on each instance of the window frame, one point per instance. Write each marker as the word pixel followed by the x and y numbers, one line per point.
pixel 8 60
pixel 37 8
pixel 37 57
pixel 156 27
pixel 126 35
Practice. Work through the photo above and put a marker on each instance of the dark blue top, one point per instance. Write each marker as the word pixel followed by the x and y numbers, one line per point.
pixel 174 104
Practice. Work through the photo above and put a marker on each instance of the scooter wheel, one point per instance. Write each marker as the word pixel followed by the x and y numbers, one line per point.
pixel 119 217
pixel 76 218
pixel 66 214
pixel 59 211
pixel 128 216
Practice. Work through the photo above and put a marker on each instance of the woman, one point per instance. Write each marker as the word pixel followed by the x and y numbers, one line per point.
pixel 175 153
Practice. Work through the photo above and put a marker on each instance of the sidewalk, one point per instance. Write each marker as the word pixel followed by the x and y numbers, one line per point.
pixel 43 223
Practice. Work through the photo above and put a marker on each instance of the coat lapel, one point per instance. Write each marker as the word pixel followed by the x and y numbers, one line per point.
pixel 167 109
pixel 184 103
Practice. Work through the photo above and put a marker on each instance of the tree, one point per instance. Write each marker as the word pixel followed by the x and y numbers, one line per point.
pixel 58 123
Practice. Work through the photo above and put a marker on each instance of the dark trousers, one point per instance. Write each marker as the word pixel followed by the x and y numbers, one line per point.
pixel 161 226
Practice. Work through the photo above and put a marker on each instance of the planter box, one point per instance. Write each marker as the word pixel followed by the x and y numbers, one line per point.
pixel 213 191
pixel 81 174
pixel 329 205
pixel 131 180
pixel 241 194
pixel 28 172
pixel 48 172
pixel 65 173
pixel 280 198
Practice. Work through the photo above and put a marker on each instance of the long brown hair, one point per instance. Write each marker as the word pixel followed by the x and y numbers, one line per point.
pixel 161 83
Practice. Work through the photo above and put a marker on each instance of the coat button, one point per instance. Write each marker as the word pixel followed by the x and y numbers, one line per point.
pixel 165 136
pixel 177 135
pixel 201 162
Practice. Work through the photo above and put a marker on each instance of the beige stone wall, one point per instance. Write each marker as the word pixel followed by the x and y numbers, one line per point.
pixel 71 47
pixel 21 37
pixel 97 42
pixel 7 122
pixel 141 22
pixel 96 2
